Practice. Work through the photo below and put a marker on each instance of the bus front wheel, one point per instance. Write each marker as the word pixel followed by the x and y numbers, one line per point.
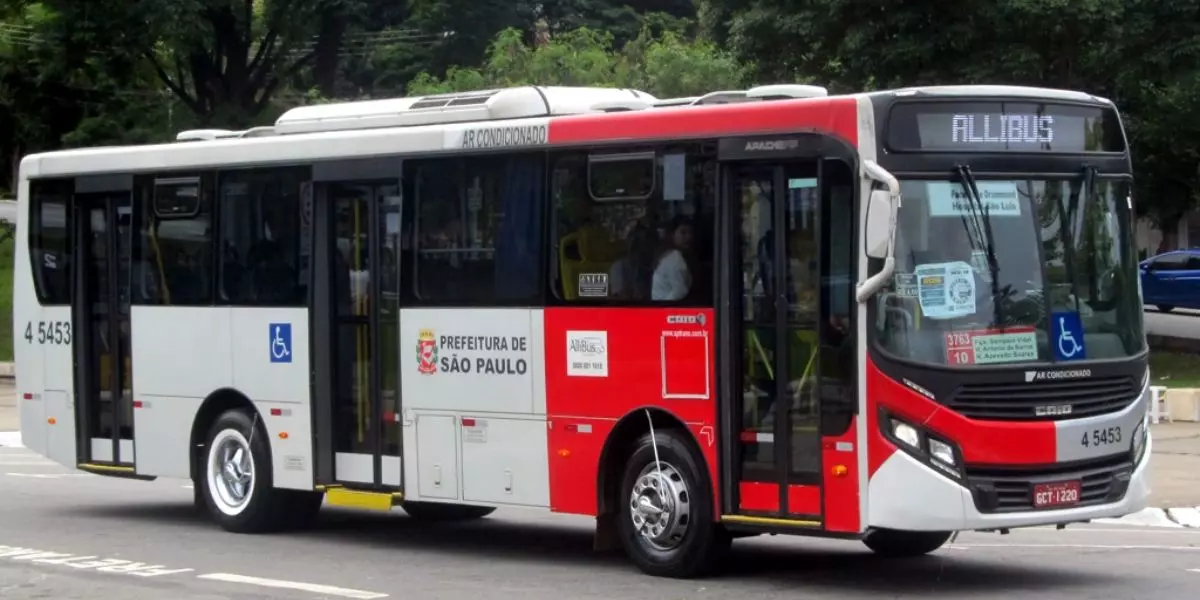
pixel 236 477
pixel 666 516
pixel 891 543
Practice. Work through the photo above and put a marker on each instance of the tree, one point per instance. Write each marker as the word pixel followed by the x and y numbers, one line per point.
pixel 666 66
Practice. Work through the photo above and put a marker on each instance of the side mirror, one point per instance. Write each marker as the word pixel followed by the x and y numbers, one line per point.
pixel 878 234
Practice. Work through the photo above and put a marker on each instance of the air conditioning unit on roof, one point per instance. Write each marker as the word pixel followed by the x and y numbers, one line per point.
pixel 464 107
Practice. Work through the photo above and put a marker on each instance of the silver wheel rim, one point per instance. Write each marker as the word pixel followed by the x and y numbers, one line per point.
pixel 660 506
pixel 231 472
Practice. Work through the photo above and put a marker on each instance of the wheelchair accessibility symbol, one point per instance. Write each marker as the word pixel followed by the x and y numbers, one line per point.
pixel 1067 329
pixel 281 342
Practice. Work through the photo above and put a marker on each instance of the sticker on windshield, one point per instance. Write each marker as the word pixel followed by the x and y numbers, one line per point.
pixel 987 346
pixel 906 285
pixel 997 198
pixel 946 290
pixel 1066 329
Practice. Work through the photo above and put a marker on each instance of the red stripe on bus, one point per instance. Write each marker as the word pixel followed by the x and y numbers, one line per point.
pixel 981 442
pixel 837 116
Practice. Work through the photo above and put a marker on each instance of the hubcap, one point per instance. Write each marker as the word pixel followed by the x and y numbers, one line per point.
pixel 660 506
pixel 231 472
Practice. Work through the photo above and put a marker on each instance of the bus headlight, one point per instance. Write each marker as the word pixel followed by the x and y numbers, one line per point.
pixel 924 445
pixel 1139 441
pixel 906 433
pixel 941 451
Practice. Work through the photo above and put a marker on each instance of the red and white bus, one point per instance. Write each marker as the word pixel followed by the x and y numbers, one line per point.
pixel 886 316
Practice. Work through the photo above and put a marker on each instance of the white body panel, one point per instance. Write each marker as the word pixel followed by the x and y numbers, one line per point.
pixel 282 385
pixel 475 432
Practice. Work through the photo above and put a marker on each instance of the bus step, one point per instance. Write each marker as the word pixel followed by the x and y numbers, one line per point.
pixel 361 499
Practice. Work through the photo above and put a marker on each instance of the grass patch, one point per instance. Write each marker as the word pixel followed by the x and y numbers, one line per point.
pixel 1175 369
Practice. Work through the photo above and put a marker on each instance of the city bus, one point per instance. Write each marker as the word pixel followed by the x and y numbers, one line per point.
pixel 884 317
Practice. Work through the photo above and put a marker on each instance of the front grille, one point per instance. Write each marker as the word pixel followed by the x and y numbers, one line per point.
pixel 1020 401
pixel 1002 490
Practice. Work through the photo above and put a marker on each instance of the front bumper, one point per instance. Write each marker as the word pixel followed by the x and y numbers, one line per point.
pixel 908 495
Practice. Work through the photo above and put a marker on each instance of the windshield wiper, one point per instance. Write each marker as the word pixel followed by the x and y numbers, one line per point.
pixel 983 221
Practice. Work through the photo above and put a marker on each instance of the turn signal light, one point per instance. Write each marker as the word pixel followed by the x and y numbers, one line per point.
pixel 51 420
pixel 283 435
pixel 840 470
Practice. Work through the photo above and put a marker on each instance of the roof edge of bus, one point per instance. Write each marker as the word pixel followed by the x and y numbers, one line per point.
pixel 1018 91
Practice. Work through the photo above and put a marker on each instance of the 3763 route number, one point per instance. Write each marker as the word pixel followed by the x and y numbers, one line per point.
pixel 1101 437
pixel 49 332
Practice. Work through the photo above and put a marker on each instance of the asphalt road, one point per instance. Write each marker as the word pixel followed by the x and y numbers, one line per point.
pixel 1177 323
pixel 67 535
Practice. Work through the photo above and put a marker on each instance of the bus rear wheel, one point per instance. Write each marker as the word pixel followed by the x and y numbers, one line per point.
pixel 891 543
pixel 666 510
pixel 236 478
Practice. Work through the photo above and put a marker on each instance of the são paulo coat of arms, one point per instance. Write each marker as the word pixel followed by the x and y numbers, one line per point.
pixel 426 352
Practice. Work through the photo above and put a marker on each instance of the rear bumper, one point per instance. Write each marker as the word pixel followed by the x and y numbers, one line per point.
pixel 908 495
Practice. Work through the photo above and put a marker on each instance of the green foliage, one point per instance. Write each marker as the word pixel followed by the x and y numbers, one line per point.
pixel 84 72
pixel 665 65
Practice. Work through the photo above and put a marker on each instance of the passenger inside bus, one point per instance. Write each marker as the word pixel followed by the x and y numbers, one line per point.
pixel 672 278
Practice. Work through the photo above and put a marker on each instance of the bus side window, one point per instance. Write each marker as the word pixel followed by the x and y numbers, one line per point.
pixel 261 237
pixel 633 227
pixel 175 253
pixel 477 228
pixel 50 240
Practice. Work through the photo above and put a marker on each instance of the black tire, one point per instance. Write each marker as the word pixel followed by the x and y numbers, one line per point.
pixel 437 511
pixel 1165 308
pixel 264 509
pixel 699 542
pixel 891 543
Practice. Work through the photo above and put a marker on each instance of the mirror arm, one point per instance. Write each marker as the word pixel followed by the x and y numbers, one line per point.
pixel 874 283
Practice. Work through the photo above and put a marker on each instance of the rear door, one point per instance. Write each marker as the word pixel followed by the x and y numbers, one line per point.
pixel 100 324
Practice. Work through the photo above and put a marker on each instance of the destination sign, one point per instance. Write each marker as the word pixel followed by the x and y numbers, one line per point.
pixel 1004 127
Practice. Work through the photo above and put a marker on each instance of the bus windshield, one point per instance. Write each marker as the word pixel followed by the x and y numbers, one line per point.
pixel 1005 271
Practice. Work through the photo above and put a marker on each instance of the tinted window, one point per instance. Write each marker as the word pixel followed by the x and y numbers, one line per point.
pixel 265 240
pixel 478 228
pixel 49 240
pixel 1170 262
pixel 648 239
pixel 174 253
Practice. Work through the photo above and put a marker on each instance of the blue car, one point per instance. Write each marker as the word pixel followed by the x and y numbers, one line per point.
pixel 1172 279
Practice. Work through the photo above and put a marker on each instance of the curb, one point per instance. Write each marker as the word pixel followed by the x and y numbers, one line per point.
pixel 1168 518
pixel 7 370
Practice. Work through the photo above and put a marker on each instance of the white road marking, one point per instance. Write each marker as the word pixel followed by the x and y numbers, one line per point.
pixel 293 585
pixel 11 439
pixel 100 565
pixel 24 462
pixel 1087 546
pixel 47 475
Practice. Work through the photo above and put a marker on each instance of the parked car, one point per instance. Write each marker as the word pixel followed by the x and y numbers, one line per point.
pixel 1172 279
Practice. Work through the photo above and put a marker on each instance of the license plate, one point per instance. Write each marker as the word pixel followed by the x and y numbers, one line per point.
pixel 1062 493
